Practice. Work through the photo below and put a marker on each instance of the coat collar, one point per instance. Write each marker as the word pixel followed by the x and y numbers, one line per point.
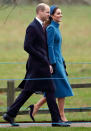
pixel 38 24
pixel 55 23
pixel 40 21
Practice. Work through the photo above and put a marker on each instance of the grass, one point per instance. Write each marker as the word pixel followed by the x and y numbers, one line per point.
pixel 76 33
pixel 47 129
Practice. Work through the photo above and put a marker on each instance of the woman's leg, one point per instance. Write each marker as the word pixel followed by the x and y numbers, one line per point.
pixel 61 102
pixel 42 101
pixel 38 105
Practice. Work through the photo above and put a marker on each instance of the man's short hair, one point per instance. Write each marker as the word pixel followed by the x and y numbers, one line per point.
pixel 41 7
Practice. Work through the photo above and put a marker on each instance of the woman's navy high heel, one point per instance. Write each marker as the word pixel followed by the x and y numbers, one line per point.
pixel 31 111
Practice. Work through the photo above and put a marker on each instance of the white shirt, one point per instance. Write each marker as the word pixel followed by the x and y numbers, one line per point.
pixel 40 21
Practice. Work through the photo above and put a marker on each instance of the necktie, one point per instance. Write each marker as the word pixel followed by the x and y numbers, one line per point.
pixel 43 26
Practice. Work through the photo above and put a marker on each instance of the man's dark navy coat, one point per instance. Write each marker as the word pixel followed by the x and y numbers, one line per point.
pixel 37 65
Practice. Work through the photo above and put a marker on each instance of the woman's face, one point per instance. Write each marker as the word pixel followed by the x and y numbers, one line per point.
pixel 57 15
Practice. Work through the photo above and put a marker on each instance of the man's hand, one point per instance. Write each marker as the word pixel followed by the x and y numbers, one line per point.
pixel 51 69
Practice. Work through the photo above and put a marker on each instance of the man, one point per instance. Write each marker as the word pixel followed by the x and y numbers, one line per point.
pixel 37 67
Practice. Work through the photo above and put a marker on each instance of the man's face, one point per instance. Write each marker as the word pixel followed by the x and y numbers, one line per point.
pixel 45 14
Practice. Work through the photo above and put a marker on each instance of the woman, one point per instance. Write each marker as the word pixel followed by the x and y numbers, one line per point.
pixel 54 40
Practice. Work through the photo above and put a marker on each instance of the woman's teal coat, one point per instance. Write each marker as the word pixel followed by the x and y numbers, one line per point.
pixel 54 40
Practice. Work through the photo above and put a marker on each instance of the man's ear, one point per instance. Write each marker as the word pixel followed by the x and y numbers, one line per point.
pixel 40 11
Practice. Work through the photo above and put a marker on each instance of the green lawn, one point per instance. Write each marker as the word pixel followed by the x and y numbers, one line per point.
pixel 76 32
pixel 47 129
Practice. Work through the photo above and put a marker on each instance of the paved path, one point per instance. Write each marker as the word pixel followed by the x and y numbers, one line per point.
pixel 73 124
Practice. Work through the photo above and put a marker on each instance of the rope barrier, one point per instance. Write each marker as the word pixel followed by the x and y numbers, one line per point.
pixel 25 62
pixel 24 108
pixel 78 62
pixel 49 78
pixel 49 123
pixel 12 62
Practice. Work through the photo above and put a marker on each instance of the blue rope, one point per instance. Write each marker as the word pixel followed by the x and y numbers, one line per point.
pixel 78 62
pixel 24 108
pixel 12 62
pixel 49 123
pixel 68 108
pixel 25 62
pixel 49 78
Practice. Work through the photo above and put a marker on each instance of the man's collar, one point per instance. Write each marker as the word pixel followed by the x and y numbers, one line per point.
pixel 40 21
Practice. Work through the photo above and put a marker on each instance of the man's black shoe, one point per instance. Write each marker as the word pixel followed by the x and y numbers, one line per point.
pixel 61 124
pixel 9 119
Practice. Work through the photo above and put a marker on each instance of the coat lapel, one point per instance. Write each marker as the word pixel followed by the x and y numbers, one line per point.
pixel 38 25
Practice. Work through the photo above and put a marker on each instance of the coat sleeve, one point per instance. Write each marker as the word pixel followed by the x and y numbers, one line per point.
pixel 50 42
pixel 29 46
